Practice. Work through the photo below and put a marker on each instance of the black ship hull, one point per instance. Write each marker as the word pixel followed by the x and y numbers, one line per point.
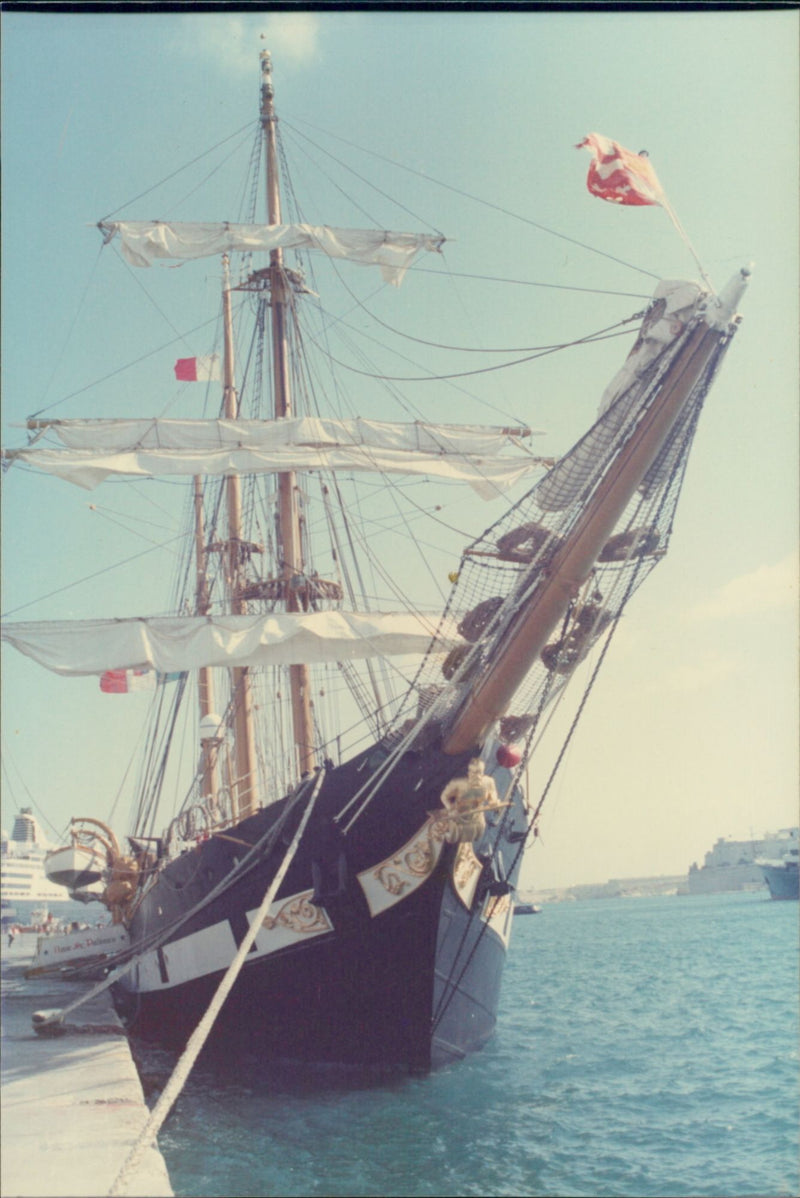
pixel 383 948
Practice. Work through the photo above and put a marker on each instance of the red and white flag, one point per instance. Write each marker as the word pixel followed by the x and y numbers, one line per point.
pixel 198 370
pixel 619 175
pixel 122 682
pixel 125 682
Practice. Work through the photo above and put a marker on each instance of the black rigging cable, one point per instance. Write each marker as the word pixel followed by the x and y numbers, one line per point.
pixel 351 171
pixel 467 195
pixel 96 574
pixel 120 369
pixel 432 378
pixel 178 170
pixel 459 274
pixel 463 349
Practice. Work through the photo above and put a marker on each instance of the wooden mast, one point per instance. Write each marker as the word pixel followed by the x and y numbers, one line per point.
pixel 244 798
pixel 492 692
pixel 291 565
pixel 209 737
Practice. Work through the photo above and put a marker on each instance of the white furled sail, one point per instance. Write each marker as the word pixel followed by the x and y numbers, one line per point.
pixel 174 644
pixel 123 435
pixel 87 469
pixel 144 242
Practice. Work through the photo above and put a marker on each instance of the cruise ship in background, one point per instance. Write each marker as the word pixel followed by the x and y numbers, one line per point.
pixel 22 877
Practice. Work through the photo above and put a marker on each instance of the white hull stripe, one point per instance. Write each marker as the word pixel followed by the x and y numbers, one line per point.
pixel 466 872
pixel 497 913
pixel 401 874
pixel 212 949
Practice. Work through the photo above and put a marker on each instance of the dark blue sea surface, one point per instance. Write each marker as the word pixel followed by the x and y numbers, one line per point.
pixel 645 1047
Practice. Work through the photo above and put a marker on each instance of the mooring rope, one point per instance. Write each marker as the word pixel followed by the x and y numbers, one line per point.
pixel 46 1022
pixel 201 1032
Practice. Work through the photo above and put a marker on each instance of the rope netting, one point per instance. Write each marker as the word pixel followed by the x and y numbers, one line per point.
pixel 500 572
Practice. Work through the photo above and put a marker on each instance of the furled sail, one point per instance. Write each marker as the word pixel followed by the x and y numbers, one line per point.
pixel 144 242
pixel 95 449
pixel 172 644
pixel 124 435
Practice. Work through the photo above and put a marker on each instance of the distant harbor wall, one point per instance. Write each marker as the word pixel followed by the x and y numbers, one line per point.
pixel 729 865
pixel 614 888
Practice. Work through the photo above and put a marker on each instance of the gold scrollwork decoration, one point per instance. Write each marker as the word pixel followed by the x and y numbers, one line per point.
pixel 497 906
pixel 414 861
pixel 466 871
pixel 298 915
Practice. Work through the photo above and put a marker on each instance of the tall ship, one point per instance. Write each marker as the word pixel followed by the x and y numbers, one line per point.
pixel 347 812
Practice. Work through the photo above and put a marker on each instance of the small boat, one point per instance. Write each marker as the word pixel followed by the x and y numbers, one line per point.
pixel 82 863
pixel 351 805
pixel 527 909
pixel 73 946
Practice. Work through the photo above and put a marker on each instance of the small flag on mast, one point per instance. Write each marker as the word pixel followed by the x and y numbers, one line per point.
pixel 125 682
pixel 619 175
pixel 198 370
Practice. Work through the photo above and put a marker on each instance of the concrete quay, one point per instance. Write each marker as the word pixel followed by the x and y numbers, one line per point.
pixel 72 1105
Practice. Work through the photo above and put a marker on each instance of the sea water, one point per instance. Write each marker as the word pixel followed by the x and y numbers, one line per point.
pixel 644 1047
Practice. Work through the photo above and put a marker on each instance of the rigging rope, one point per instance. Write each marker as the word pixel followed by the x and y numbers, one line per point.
pixel 125 960
pixel 134 362
pixel 678 472
pixel 88 577
pixel 203 1029
pixel 70 330
pixel 684 236
pixel 463 349
pixel 29 797
pixel 460 274
pixel 477 199
pixel 177 171
pixel 434 378
pixel 351 171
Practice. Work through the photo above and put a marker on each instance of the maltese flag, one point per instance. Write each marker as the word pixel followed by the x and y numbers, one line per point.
pixel 124 682
pixel 198 370
pixel 619 175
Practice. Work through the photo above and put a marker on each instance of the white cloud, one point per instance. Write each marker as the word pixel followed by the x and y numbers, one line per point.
pixel 769 588
pixel 293 34
pixel 235 40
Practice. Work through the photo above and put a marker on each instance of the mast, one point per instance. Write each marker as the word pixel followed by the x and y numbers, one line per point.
pixel 209 723
pixel 291 564
pixel 244 798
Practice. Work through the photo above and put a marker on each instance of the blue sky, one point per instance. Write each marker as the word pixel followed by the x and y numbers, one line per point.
pixel 691 732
